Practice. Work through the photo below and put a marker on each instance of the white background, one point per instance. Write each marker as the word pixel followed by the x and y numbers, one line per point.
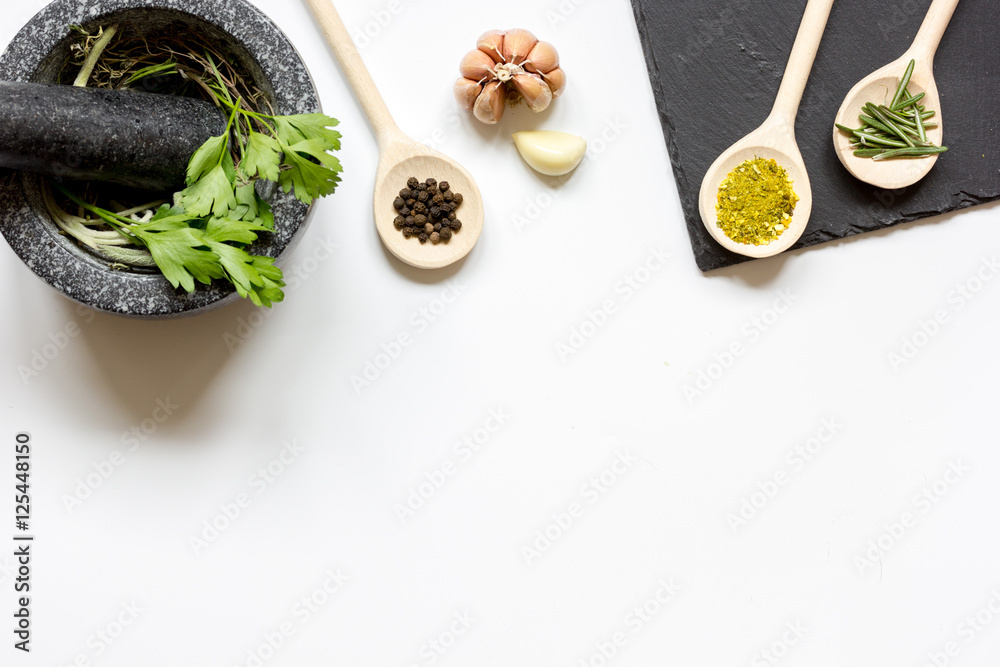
pixel 548 257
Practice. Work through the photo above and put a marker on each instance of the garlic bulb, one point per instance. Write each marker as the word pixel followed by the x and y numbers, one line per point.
pixel 507 67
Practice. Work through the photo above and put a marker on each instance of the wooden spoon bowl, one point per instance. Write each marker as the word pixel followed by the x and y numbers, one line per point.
pixel 400 157
pixel 772 141
pixel 775 139
pixel 879 87
pixel 399 162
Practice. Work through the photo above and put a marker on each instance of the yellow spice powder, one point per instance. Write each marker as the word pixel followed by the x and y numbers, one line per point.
pixel 756 202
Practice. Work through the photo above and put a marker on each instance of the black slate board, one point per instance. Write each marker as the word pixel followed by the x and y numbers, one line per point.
pixel 716 66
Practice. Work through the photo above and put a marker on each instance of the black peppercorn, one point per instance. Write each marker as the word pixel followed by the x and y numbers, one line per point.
pixel 427 211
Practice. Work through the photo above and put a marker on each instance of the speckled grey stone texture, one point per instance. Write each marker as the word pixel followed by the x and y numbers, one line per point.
pixel 133 138
pixel 36 54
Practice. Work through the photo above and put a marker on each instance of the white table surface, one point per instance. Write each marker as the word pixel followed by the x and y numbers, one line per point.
pixel 838 558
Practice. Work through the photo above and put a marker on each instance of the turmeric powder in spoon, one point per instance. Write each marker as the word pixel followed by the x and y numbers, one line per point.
pixel 756 202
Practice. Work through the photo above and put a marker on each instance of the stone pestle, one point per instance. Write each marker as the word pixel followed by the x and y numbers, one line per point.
pixel 136 139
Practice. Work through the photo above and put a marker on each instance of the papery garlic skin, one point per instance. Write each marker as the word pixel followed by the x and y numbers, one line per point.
pixel 491 43
pixel 467 92
pixel 490 103
pixel 542 58
pixel 535 92
pixel 556 80
pixel 477 66
pixel 522 67
pixel 551 153
pixel 517 44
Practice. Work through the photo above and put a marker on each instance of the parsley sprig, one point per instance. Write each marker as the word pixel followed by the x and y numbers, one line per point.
pixel 206 234
pixel 188 249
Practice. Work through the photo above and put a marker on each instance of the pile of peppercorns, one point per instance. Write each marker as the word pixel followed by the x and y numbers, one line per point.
pixel 427 211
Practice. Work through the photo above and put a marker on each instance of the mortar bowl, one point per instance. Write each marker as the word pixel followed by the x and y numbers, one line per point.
pixel 38 54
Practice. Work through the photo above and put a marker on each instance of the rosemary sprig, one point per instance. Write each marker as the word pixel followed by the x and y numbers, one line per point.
pixel 897 129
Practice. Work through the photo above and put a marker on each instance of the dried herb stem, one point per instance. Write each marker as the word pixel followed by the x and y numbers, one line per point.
pixel 95 54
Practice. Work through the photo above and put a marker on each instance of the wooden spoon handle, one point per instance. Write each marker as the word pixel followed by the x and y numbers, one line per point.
pixel 354 69
pixel 800 62
pixel 932 30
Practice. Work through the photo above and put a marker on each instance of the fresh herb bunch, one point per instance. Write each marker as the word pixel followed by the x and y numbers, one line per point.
pixel 205 234
pixel 896 130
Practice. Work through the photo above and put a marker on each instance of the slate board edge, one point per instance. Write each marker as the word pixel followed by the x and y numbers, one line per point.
pixel 668 129
pixel 689 205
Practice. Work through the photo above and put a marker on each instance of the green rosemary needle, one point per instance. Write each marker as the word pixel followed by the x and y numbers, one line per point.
pixel 919 151
pixel 901 89
pixel 897 129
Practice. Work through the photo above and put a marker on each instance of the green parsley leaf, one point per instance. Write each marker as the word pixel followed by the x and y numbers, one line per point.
pixel 309 179
pixel 251 208
pixel 253 276
pixel 238 265
pixel 269 292
pixel 214 193
pixel 206 158
pixel 178 250
pixel 293 129
pixel 227 230
pixel 262 158
pixel 186 253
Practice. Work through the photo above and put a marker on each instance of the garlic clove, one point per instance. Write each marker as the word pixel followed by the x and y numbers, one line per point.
pixel 490 103
pixel 551 153
pixel 477 66
pixel 517 44
pixel 491 43
pixel 536 93
pixel 466 92
pixel 542 58
pixel 556 80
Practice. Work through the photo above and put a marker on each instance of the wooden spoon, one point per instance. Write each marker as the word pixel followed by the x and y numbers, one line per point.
pixel 880 85
pixel 400 157
pixel 774 139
